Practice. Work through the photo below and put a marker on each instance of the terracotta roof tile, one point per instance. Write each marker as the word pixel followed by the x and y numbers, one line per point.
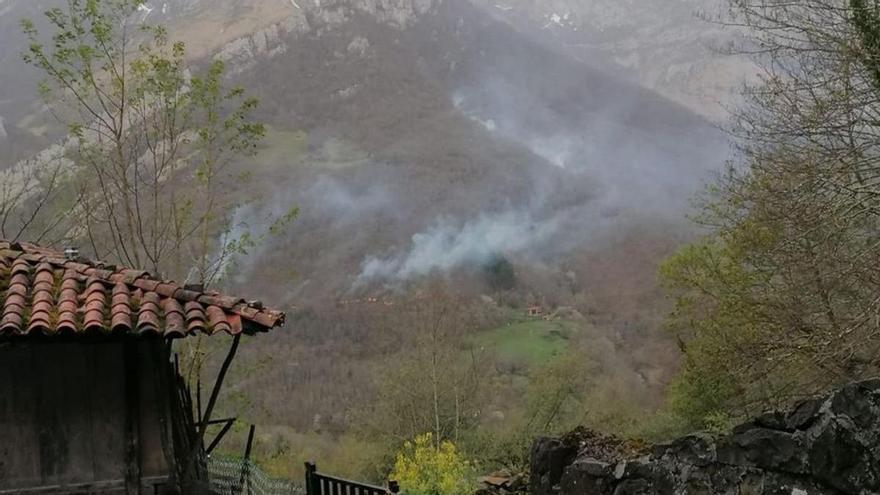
pixel 195 316
pixel 11 323
pixel 146 284
pixel 187 295
pixel 174 321
pixel 45 293
pixel 217 320
pixel 234 322
pixel 167 290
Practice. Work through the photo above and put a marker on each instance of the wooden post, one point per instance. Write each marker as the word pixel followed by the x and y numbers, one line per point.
pixel 226 426
pixel 163 369
pixel 198 442
pixel 245 467
pixel 199 399
pixel 311 480
pixel 132 418
pixel 393 486
pixel 212 400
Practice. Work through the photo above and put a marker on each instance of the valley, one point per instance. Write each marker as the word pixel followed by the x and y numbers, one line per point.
pixel 463 161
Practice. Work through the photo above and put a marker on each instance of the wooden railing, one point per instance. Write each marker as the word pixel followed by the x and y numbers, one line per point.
pixel 322 484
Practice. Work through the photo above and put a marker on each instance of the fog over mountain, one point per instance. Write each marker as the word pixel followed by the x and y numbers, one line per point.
pixel 674 47
pixel 479 155
pixel 426 135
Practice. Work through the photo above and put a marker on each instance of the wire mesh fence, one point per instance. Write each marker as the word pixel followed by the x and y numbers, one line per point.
pixel 238 476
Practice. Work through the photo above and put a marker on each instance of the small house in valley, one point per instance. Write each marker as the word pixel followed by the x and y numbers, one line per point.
pixel 91 396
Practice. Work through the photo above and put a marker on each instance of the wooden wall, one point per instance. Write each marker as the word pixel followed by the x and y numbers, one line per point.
pixel 64 409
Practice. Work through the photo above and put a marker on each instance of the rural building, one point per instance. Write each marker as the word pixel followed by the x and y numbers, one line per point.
pixel 91 399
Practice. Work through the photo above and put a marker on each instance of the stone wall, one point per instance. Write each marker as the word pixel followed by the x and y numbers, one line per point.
pixel 829 445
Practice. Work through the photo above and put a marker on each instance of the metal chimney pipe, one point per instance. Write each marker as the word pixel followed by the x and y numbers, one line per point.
pixel 71 253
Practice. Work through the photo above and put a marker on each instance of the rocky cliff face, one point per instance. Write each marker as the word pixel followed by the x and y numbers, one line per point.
pixel 315 16
pixel 663 45
pixel 829 445
pixel 667 46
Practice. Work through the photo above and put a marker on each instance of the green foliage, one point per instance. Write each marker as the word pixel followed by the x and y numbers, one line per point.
pixel 722 317
pixel 554 394
pixel 553 404
pixel 703 391
pixel 500 274
pixel 779 300
pixel 160 148
pixel 281 222
pixel 713 311
pixel 436 382
pixel 866 20
pixel 426 466
pixel 145 124
pixel 281 149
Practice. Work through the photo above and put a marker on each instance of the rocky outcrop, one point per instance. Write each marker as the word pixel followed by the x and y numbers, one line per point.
pixel 829 445
pixel 316 16
pixel 396 13
pixel 550 457
pixel 242 54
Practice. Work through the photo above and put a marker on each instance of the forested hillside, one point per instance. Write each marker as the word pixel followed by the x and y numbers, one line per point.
pixel 461 207
pixel 779 302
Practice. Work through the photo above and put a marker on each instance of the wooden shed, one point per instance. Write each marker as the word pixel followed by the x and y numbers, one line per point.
pixel 91 398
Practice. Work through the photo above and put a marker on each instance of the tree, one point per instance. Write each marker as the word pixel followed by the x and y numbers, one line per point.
pixel 553 403
pixel 500 274
pixel 154 145
pixel 154 151
pixel 779 301
pixel 34 204
pixel 434 383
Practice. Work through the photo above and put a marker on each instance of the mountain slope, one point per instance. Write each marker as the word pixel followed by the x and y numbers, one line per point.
pixel 429 138
pixel 446 128
pixel 433 135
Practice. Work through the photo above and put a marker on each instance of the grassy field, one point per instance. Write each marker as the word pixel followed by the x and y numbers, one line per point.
pixel 532 341
pixel 282 147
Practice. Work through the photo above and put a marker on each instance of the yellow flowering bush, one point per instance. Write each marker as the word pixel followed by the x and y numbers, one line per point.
pixel 424 468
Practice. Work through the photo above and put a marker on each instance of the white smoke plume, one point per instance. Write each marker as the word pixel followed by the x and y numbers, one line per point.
pixel 448 245
pixel 330 196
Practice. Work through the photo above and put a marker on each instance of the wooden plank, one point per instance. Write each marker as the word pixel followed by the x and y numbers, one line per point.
pixel 19 450
pixel 79 412
pixel 151 410
pixel 220 435
pixel 63 414
pixel 107 396
pixel 112 487
pixel 132 419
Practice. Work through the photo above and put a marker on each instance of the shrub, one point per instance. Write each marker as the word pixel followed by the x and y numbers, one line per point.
pixel 426 467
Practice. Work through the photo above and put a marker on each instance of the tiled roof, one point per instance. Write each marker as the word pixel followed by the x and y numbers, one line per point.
pixel 45 293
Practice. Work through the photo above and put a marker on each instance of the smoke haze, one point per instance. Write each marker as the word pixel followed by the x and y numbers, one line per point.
pixel 450 244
